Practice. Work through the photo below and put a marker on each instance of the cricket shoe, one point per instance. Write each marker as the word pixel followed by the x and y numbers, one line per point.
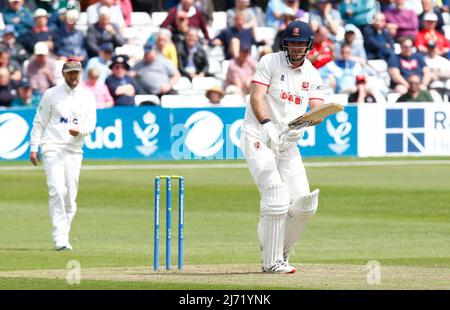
pixel 281 267
pixel 66 247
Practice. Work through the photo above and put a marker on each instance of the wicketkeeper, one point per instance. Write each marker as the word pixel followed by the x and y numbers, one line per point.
pixel 285 83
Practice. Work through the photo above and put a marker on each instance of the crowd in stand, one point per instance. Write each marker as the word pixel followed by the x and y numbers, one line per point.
pixel 365 49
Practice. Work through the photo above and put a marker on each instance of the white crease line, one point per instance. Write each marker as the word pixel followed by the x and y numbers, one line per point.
pixel 242 165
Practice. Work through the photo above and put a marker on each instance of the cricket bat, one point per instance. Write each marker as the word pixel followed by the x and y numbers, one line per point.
pixel 313 116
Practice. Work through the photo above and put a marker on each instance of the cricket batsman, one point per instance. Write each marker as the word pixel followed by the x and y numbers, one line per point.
pixel 66 114
pixel 285 83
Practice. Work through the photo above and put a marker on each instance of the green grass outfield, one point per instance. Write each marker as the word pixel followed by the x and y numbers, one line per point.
pixel 397 215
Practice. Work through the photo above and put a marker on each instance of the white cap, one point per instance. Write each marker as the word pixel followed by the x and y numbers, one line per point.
pixel 40 12
pixel 430 16
pixel 40 48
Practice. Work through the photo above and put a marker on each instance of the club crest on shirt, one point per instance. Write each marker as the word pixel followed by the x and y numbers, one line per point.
pixel 257 145
pixel 305 86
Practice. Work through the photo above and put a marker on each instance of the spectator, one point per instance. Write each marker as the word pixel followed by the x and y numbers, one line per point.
pixel 322 51
pixel 127 8
pixel 428 7
pixel 429 33
pixel 405 64
pixel 122 87
pixel 56 20
pixel 116 16
pixel 358 13
pixel 378 42
pixel 99 89
pixel 7 89
pixel 192 58
pixel 326 16
pixel 240 73
pixel 40 32
pixel 156 74
pixel 358 53
pixel 293 9
pixel 41 70
pixel 188 10
pixel 401 22
pixel 439 69
pixel 207 9
pixel 69 42
pixel 12 66
pixel 231 38
pixel 343 71
pixel 165 47
pixel 18 16
pixel 101 62
pixel 274 13
pixel 363 93
pixel 103 31
pixel 243 6
pixel 415 94
pixel 25 96
pixel 15 49
pixel 181 28
pixel 215 94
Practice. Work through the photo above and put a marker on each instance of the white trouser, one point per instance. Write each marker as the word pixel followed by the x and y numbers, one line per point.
pixel 269 169
pixel 62 169
pixel 266 168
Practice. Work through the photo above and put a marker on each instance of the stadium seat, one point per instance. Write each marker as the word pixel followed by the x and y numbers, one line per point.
pixel 232 101
pixel 201 84
pixel 437 98
pixel 140 19
pixel 140 99
pixel 134 52
pixel 341 99
pixel 183 86
pixel 392 97
pixel 158 17
pixel 219 20
pixel 265 33
pixel 183 101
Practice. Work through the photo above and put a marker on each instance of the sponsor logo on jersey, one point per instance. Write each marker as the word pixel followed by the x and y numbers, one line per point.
pixel 68 120
pixel 286 96
pixel 282 78
pixel 305 86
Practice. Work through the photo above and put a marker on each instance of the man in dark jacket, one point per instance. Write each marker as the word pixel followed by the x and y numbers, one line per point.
pixel 378 42
pixel 192 58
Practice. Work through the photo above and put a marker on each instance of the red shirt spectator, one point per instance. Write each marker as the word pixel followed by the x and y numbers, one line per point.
pixel 322 51
pixel 187 10
pixel 429 34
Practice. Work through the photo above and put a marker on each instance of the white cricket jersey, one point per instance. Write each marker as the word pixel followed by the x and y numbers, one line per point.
pixel 62 108
pixel 289 90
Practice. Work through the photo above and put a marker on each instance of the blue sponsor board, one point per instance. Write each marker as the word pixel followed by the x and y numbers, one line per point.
pixel 156 133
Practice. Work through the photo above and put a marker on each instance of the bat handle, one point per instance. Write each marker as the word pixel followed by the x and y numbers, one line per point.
pixel 284 131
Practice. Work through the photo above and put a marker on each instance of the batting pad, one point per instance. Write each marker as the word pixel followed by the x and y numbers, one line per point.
pixel 274 207
pixel 299 214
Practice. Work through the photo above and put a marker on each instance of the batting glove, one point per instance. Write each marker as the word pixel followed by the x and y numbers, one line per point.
pixel 290 138
pixel 269 135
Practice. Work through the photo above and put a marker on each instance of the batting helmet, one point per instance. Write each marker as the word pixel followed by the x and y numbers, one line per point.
pixel 297 31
